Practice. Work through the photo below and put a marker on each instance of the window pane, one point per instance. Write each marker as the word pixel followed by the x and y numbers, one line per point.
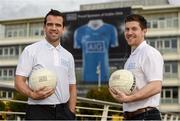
pixel 5 73
pixel 11 72
pixel 168 94
pixel 167 68
pixel 167 44
pixel 174 43
pixel 5 51
pixel 148 24
pixel 4 94
pixel 9 94
pixel 11 51
pixel 1 51
pixel 154 24
pixel 152 43
pixel 174 68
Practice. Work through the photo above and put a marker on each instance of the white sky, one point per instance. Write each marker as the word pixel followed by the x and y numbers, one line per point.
pixel 14 9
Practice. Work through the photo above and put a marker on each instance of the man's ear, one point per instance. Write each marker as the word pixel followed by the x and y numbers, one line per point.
pixel 145 30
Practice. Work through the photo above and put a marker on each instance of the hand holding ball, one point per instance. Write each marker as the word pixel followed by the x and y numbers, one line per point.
pixel 122 80
pixel 42 77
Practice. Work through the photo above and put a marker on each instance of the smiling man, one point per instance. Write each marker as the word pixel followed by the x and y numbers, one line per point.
pixel 146 64
pixel 47 103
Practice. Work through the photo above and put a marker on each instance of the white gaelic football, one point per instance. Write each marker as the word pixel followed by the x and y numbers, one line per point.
pixel 42 77
pixel 122 80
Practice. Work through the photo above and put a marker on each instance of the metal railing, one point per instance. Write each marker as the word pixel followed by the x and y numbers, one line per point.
pixel 91 110
pixel 97 109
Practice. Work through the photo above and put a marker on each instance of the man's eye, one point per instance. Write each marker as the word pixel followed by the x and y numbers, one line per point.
pixel 58 25
pixel 49 24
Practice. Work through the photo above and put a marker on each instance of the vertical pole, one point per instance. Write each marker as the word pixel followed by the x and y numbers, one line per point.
pixel 98 71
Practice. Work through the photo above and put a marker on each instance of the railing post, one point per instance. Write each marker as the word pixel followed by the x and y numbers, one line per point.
pixel 105 113
pixel 165 117
pixel 177 118
pixel 171 117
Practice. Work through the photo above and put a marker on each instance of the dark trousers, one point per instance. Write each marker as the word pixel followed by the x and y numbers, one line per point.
pixel 49 112
pixel 153 114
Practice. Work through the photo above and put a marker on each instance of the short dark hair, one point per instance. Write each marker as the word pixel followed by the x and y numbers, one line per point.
pixel 135 17
pixel 54 13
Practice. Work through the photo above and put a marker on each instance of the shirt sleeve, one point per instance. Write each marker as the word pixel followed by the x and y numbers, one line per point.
pixel 71 72
pixel 25 63
pixel 153 66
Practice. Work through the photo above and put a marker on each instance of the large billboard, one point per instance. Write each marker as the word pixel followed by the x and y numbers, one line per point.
pixel 95 37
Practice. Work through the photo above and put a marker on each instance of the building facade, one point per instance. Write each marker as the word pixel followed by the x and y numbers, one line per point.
pixel 163 34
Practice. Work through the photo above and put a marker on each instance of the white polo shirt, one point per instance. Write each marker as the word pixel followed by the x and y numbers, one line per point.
pixel 43 55
pixel 146 63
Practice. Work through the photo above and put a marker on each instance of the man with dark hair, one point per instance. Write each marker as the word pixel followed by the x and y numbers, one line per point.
pixel 47 103
pixel 146 64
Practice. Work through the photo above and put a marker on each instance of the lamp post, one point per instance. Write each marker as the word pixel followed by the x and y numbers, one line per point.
pixel 98 71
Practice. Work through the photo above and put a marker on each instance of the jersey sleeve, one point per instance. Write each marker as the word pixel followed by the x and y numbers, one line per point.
pixel 114 37
pixel 77 38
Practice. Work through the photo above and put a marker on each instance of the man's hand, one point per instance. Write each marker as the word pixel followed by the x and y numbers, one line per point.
pixel 119 95
pixel 42 93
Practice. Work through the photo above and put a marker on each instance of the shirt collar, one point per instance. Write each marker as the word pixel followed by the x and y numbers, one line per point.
pixel 139 48
pixel 51 47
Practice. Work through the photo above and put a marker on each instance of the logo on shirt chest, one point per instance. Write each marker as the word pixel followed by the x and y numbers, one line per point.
pixel 131 66
pixel 64 63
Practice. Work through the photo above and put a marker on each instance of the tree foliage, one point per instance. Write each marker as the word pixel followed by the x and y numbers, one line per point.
pixel 19 107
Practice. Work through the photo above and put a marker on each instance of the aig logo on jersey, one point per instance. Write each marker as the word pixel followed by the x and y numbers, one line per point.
pixel 95 47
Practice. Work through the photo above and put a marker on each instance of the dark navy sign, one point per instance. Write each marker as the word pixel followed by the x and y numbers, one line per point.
pixel 95 36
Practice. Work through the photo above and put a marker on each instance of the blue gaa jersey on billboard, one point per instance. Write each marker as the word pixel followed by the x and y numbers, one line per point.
pixel 95 38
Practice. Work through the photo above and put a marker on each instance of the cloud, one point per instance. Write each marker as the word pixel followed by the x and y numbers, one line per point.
pixel 15 9
pixel 174 2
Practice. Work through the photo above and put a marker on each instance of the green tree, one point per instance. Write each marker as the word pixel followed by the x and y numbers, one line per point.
pixel 15 106
pixel 2 106
pixel 102 94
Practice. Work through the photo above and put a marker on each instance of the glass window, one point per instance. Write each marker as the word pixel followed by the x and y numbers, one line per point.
pixel 169 95
pixel 15 34
pixel 148 24
pixel 17 30
pixel 5 72
pixel 169 23
pixel 9 34
pixel 17 50
pixel 0 73
pixel 152 43
pixel 167 67
pixel 155 25
pixel 161 24
pixel 4 94
pixel 9 94
pixel 11 51
pixel 11 73
pixel 167 44
pixel 1 51
pixel 174 43
pixel 174 68
pixel 6 51
pixel 36 29
pixel 42 32
pixel 175 22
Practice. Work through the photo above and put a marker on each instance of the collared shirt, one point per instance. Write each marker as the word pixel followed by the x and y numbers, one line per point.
pixel 43 55
pixel 146 64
